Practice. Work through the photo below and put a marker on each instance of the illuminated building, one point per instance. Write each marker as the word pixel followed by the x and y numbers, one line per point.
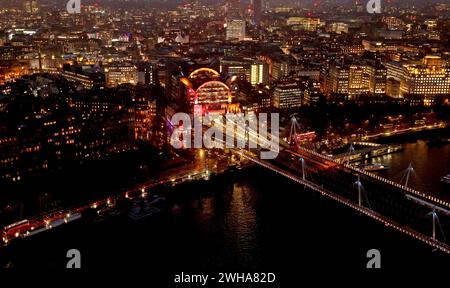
pixel 393 23
pixel 287 95
pixel 212 93
pixel 307 24
pixel 236 66
pixel 10 70
pixel 393 88
pixel 117 74
pixel 431 78
pixel 353 49
pixel 31 6
pixel 281 67
pixel 338 27
pixel 431 24
pixel 147 73
pixel 90 105
pixel 235 29
pixel 282 9
pixel 85 81
pixel 144 116
pixel 338 79
pixel 88 81
pixel 253 71
pixel 311 73
pixel 207 93
pixel 311 98
pixel 259 73
pixel 377 78
pixel 388 46
pixel 357 78
pixel 93 125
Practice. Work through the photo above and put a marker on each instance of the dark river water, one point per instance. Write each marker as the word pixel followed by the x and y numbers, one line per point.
pixel 254 221
pixel 430 164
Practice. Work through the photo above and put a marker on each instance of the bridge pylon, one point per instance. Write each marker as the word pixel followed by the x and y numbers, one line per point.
pixel 350 151
pixel 294 128
pixel 435 220
pixel 361 192
pixel 408 172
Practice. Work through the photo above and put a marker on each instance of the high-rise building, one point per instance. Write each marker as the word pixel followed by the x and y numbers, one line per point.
pixel 357 78
pixel 147 73
pixel 337 81
pixel 281 66
pixel 287 95
pixel 235 66
pixel 246 69
pixel 377 78
pixel 259 73
pixel 235 29
pixel 145 112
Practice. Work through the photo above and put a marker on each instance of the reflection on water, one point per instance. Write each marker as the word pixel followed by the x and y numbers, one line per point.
pixel 219 224
pixel 261 222
pixel 430 165
pixel 256 221
pixel 241 228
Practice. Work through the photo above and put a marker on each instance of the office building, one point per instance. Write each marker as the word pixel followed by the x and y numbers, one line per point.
pixel 287 96
pixel 235 29
pixel 121 73
pixel 430 78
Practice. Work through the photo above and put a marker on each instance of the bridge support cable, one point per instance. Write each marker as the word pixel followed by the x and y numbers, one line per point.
pixel 408 172
pixel 351 150
pixel 325 158
pixel 363 210
pixel 435 219
pixel 293 130
pixel 361 192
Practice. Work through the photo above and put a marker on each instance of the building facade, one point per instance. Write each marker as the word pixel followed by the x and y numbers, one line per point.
pixel 430 78
pixel 235 29
pixel 287 96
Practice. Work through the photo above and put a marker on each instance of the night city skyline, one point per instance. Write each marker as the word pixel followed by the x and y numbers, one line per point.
pixel 216 143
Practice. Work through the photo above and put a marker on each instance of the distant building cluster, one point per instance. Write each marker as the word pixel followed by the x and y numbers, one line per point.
pixel 103 80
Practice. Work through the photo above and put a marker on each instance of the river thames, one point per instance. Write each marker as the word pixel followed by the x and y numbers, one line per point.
pixel 254 221
pixel 430 164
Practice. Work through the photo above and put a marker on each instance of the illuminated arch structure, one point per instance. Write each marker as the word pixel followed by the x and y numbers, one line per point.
pixel 207 94
pixel 212 92
pixel 208 72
